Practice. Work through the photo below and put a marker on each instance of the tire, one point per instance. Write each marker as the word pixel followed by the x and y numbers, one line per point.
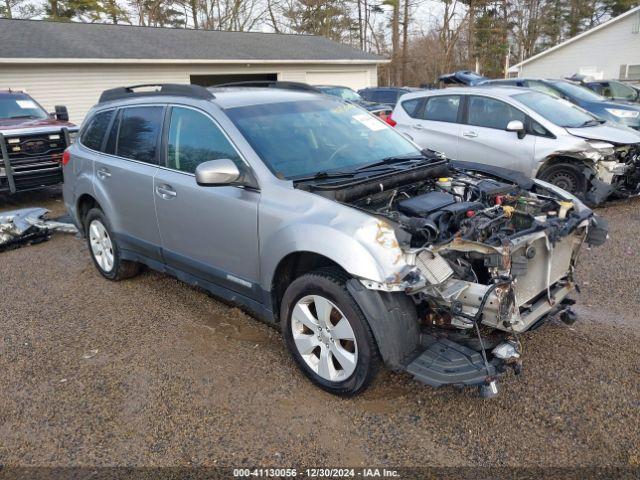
pixel 104 249
pixel 566 176
pixel 344 359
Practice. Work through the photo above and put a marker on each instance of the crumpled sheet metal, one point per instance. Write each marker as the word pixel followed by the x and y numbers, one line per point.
pixel 20 223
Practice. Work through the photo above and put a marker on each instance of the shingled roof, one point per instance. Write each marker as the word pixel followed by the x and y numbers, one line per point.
pixel 22 39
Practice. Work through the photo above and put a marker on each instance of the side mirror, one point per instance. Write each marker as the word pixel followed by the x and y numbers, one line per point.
pixel 62 113
pixel 516 126
pixel 217 173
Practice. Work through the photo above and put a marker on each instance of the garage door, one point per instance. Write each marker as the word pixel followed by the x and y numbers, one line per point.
pixel 355 79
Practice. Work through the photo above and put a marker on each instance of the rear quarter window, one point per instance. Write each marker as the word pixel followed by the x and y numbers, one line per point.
pixel 94 134
pixel 411 106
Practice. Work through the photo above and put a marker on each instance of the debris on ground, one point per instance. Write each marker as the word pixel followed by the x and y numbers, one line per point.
pixel 28 226
pixel 90 354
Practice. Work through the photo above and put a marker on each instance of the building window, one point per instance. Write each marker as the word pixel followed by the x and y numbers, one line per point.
pixel 623 72
pixel 633 72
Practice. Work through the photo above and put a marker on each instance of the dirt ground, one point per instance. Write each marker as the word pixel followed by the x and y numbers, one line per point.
pixel 151 372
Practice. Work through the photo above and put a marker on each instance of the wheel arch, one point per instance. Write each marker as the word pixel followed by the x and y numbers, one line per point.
pixel 555 159
pixel 85 203
pixel 295 265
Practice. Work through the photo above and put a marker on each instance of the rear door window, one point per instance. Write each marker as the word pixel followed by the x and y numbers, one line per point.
pixel 443 108
pixel 137 133
pixel 94 134
pixel 492 113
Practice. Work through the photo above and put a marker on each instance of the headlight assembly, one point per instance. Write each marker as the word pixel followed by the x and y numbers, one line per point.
pixel 617 112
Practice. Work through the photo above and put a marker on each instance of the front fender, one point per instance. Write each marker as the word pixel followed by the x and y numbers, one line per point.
pixel 369 251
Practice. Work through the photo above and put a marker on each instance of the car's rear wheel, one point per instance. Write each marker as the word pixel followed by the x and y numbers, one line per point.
pixel 327 334
pixel 104 249
pixel 566 176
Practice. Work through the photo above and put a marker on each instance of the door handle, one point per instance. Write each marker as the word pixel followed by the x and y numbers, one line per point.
pixel 418 126
pixel 166 192
pixel 103 173
pixel 470 134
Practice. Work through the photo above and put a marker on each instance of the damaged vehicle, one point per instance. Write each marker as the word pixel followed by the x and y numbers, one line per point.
pixel 31 142
pixel 531 132
pixel 320 218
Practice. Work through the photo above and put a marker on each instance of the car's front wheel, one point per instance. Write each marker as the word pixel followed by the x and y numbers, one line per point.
pixel 566 176
pixel 104 249
pixel 327 334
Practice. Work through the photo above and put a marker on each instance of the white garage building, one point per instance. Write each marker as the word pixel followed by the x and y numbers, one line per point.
pixel 609 51
pixel 72 63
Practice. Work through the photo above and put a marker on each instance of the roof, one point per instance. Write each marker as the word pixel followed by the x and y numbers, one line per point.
pixel 577 37
pixel 231 97
pixel 23 40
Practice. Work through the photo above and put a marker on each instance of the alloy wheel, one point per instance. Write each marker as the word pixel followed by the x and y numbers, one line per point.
pixel 324 338
pixel 101 245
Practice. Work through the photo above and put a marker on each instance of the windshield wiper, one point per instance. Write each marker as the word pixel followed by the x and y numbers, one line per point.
pixel 324 174
pixel 389 161
pixel 23 116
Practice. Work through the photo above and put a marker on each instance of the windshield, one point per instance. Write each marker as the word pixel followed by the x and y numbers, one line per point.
pixel 299 139
pixel 342 92
pixel 620 90
pixel 20 105
pixel 560 112
pixel 577 91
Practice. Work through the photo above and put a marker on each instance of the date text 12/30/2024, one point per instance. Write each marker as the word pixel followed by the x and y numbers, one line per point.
pixel 315 472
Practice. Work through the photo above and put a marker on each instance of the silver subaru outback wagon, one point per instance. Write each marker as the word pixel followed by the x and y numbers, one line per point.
pixel 320 218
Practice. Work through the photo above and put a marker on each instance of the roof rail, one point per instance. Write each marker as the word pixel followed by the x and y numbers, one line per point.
pixel 270 84
pixel 175 89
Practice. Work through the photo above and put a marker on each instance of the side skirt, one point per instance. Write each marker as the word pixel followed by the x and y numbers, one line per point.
pixel 254 307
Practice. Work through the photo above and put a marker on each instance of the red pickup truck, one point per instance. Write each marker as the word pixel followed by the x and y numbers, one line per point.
pixel 31 142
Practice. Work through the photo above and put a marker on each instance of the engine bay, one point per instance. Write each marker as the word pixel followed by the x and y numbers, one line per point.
pixel 471 207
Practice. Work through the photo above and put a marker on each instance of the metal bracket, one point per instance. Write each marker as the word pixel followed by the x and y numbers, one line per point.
pixel 7 164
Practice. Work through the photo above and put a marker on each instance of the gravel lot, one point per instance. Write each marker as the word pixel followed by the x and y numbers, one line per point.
pixel 152 372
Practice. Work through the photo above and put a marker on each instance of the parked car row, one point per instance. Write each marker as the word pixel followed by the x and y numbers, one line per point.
pixel 555 130
pixel 625 113
pixel 609 89
pixel 527 131
pixel 322 219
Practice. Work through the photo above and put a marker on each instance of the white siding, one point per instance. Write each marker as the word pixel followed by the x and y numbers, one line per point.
pixel 600 53
pixel 79 86
pixel 352 79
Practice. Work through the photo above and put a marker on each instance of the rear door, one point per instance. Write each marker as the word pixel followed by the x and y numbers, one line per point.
pixel 208 232
pixel 484 138
pixel 433 122
pixel 124 178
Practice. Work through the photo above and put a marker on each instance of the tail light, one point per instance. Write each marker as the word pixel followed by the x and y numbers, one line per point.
pixel 66 156
pixel 391 121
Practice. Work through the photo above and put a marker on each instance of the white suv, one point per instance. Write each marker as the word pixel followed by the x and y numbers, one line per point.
pixel 528 131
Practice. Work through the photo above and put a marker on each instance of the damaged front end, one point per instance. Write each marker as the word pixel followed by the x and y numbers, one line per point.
pixel 628 183
pixel 612 171
pixel 484 260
